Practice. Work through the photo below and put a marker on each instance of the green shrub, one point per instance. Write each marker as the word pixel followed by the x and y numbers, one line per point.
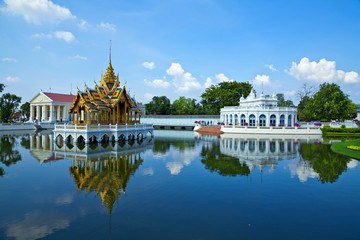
pixel 343 126
pixel 326 127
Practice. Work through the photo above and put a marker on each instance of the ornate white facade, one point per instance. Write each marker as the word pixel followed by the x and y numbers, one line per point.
pixel 260 111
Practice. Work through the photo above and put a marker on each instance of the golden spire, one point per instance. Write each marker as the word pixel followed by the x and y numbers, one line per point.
pixel 110 75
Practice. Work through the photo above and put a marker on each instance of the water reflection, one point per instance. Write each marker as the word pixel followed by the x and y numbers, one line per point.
pixel 258 153
pixel 310 158
pixel 327 164
pixel 183 144
pixel 107 177
pixel 8 154
pixel 103 168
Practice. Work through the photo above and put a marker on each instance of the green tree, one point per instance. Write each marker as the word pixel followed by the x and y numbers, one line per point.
pixel 185 106
pixel 330 103
pixel 282 102
pixel 159 106
pixel 8 104
pixel 223 94
pixel 25 109
pixel 304 94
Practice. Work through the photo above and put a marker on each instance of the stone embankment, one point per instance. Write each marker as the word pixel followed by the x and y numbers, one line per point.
pixel 23 126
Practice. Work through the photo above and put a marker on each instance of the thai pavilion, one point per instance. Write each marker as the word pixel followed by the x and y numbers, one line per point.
pixel 107 111
pixel 108 103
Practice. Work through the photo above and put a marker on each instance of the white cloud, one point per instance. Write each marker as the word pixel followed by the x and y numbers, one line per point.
pixel 222 78
pixel 149 65
pixel 353 163
pixel 83 24
pixel 66 36
pixel 302 169
pixel 261 79
pixel 208 82
pixel 148 171
pixel 271 67
pixel 36 225
pixel 12 79
pixel 38 11
pixel 322 71
pixel 183 81
pixel 158 83
pixel 80 57
pixel 37 47
pixel 290 93
pixel 107 26
pixel 66 199
pixel 6 59
pixel 148 96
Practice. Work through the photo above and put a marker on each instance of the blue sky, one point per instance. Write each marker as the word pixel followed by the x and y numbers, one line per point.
pixel 178 48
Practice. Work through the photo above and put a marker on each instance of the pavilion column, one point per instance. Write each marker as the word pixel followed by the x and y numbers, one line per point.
pixel 286 119
pixel 65 116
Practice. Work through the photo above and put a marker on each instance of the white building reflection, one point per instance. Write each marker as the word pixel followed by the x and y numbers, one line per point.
pixel 260 152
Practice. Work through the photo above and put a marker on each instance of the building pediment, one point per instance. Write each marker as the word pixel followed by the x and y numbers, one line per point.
pixel 40 98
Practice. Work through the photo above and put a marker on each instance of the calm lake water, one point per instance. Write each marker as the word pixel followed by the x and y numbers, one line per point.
pixel 177 186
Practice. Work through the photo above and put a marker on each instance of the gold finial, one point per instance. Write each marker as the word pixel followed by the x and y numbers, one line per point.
pixel 110 53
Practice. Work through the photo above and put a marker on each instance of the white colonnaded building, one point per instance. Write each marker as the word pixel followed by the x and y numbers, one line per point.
pixel 260 111
pixel 262 115
pixel 51 107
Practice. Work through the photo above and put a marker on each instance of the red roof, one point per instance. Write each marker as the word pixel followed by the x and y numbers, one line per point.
pixel 57 97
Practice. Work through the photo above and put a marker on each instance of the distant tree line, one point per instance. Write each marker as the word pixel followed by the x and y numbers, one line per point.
pixel 328 103
pixel 212 100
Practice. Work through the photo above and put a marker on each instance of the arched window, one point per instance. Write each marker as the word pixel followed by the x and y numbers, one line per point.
pixel 273 120
pixel 282 120
pixel 289 120
pixel 236 120
pixel 252 120
pixel 243 119
pixel 262 119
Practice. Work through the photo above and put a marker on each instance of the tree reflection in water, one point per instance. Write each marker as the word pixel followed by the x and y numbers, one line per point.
pixel 8 155
pixel 220 163
pixel 327 164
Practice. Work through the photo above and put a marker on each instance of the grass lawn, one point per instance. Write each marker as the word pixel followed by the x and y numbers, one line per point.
pixel 341 148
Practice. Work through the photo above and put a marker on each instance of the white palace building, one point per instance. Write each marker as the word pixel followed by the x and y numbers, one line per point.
pixel 262 115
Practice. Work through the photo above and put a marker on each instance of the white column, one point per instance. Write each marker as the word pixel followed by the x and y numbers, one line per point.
pixel 286 119
pixel 37 112
pixel 42 112
pixel 31 112
pixel 51 113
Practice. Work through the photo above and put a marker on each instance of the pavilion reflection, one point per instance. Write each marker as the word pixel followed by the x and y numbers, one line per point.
pixel 44 149
pixel 103 169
